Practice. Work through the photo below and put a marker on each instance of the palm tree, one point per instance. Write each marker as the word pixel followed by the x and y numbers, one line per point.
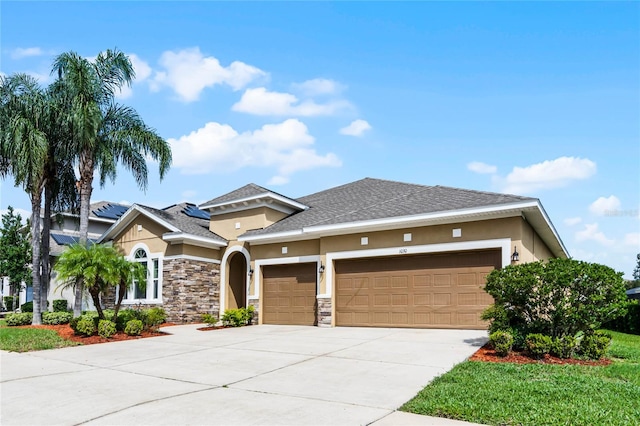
pixel 105 133
pixel 23 152
pixel 99 268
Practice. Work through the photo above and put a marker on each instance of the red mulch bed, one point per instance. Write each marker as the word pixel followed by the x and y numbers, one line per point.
pixel 486 354
pixel 65 331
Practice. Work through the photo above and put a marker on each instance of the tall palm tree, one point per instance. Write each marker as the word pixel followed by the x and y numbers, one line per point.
pixel 105 133
pixel 23 149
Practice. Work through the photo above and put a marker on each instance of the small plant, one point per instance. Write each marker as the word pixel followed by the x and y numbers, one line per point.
pixel 86 326
pixel 17 319
pixel 237 317
pixel 538 345
pixel 209 319
pixel 595 345
pixel 126 315
pixel 153 317
pixel 563 347
pixel 134 327
pixel 106 328
pixel 502 342
pixel 60 305
pixel 55 318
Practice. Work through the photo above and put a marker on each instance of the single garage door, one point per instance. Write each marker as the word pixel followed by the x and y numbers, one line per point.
pixel 289 294
pixel 428 291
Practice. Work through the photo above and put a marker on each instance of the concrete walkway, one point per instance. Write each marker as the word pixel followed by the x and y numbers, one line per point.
pixel 259 375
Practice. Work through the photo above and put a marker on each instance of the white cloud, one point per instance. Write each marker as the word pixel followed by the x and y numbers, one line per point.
pixel 547 175
pixel 591 232
pixel 603 206
pixel 43 78
pixel 632 239
pixel 27 52
pixel 479 167
pixel 356 128
pixel 188 72
pixel 287 147
pixel 260 101
pixel 571 221
pixel 318 86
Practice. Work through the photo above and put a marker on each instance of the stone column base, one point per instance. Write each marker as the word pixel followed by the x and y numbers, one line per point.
pixel 324 311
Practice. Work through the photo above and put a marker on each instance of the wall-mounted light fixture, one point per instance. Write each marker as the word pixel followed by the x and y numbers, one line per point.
pixel 321 268
pixel 250 272
pixel 515 256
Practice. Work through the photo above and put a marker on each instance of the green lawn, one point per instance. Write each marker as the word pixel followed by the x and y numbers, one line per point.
pixel 25 339
pixel 538 394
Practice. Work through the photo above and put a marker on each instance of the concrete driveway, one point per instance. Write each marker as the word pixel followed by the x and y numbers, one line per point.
pixel 252 375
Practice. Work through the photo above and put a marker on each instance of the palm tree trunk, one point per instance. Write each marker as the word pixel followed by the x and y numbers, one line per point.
pixel 121 292
pixel 46 266
pixel 95 296
pixel 85 187
pixel 36 198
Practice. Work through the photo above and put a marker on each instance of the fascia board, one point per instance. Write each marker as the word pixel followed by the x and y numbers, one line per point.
pixel 268 195
pixel 181 237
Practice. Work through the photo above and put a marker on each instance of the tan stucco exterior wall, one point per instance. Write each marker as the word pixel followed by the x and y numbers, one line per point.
pixel 533 248
pixel 150 234
pixel 258 218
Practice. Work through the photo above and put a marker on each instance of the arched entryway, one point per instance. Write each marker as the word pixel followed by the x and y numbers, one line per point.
pixel 236 285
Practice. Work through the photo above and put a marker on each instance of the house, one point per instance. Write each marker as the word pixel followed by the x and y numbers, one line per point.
pixel 369 253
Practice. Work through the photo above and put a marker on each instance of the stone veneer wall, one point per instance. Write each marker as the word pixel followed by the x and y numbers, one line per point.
pixel 324 312
pixel 190 288
pixel 256 313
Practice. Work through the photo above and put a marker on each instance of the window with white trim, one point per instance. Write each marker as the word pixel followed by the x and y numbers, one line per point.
pixel 152 291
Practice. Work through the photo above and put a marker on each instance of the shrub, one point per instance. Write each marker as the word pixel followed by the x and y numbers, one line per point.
pixel 55 318
pixel 556 298
pixel 209 319
pixel 563 347
pixel 126 315
pixel 10 302
pixel 86 325
pixel 236 317
pixel 24 318
pixel 153 317
pixel 595 345
pixel 134 327
pixel 27 307
pixel 73 323
pixel 106 328
pixel 502 341
pixel 60 305
pixel 538 345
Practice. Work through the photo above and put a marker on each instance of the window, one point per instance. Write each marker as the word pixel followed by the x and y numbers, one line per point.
pixel 152 291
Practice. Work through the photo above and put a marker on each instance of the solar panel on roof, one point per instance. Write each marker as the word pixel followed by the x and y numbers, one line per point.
pixel 67 240
pixel 193 211
pixel 110 211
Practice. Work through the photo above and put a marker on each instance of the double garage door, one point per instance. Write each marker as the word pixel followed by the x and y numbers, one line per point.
pixel 426 291
pixel 423 291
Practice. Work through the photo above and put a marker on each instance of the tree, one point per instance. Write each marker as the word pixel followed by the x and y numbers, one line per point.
pixel 636 274
pixel 99 268
pixel 106 133
pixel 34 133
pixel 23 152
pixel 15 251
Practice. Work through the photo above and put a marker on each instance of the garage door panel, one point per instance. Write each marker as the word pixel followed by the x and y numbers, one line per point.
pixel 443 291
pixel 289 294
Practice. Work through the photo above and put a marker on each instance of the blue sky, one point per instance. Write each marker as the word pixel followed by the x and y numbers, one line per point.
pixel 539 99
